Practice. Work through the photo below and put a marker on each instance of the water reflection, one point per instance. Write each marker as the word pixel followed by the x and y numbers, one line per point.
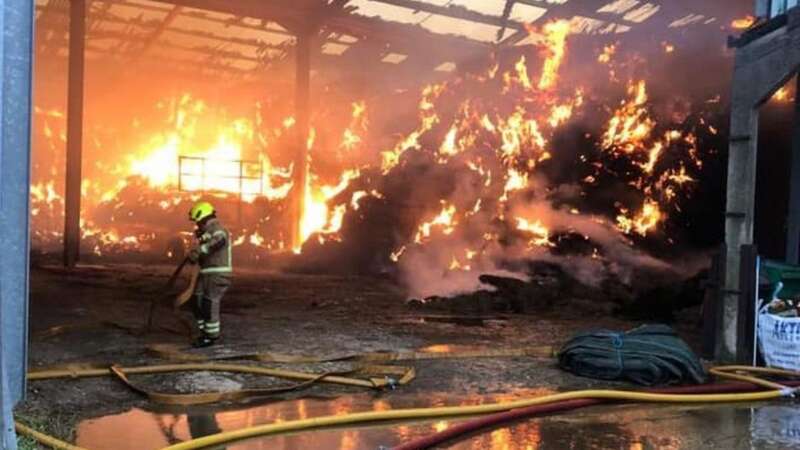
pixel 631 427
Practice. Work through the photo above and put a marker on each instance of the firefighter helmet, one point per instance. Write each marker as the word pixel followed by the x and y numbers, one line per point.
pixel 200 211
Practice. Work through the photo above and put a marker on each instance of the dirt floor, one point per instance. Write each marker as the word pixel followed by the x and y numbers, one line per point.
pixel 285 313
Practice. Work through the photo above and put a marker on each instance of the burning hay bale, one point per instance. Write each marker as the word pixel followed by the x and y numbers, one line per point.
pixel 517 162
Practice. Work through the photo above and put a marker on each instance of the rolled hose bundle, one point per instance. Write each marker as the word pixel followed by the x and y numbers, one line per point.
pixel 650 355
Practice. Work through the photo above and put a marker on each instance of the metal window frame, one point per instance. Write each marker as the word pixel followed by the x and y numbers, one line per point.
pixel 257 165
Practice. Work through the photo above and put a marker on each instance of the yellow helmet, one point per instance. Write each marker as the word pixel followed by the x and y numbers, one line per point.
pixel 200 211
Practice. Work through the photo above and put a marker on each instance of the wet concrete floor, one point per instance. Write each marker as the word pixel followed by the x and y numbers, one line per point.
pixel 633 427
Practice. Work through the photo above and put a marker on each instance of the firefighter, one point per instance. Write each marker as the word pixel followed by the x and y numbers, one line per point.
pixel 213 254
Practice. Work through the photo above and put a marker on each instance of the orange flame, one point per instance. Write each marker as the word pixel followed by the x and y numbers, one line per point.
pixel 644 221
pixel 743 23
pixel 540 235
pixel 444 220
pixel 556 34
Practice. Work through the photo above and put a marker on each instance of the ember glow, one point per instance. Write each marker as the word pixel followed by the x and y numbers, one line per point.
pixel 783 95
pixel 743 23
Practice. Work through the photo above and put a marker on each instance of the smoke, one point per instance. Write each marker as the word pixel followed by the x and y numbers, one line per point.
pixel 444 267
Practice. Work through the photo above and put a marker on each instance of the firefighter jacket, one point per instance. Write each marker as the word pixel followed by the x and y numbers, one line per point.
pixel 215 248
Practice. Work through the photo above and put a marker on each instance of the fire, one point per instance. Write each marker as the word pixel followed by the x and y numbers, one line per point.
pixel 540 235
pixel 448 147
pixel 743 23
pixel 522 73
pixel 317 216
pixel 515 181
pixel 456 265
pixel 783 95
pixel 500 128
pixel 44 195
pixel 560 114
pixel 428 118
pixel 607 54
pixel 631 123
pixel 444 221
pixel 643 222
pixel 518 132
pixel 556 39
pixel 197 159
pixel 351 138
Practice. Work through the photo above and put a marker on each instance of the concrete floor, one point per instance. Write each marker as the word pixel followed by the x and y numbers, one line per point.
pixel 630 427
pixel 325 315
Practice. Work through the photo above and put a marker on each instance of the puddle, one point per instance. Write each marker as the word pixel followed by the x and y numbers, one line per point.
pixel 634 427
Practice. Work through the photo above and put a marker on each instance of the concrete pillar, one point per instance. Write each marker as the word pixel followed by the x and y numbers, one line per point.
pixel 302 117
pixel 793 220
pixel 72 197
pixel 739 209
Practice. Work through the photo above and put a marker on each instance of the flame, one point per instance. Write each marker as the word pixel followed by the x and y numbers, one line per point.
pixel 518 132
pixel 428 118
pixel 500 143
pixel 444 221
pixel 631 123
pixel 214 164
pixel 351 138
pixel 522 73
pixel 540 235
pixel 317 216
pixel 556 34
pixel 515 181
pixel 448 147
pixel 782 95
pixel 743 23
pixel 607 54
pixel 644 221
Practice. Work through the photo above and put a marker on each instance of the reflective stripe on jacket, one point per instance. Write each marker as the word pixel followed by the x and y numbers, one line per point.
pixel 215 249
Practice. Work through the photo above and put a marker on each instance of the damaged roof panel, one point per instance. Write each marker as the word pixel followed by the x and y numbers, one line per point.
pixel 172 29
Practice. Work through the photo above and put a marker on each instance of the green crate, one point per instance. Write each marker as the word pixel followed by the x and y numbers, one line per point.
pixel 774 271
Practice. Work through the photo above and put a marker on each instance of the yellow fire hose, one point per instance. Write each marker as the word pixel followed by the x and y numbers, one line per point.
pixel 727 372
pixel 376 377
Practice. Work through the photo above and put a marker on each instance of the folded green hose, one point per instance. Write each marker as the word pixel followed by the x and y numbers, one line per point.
pixel 648 355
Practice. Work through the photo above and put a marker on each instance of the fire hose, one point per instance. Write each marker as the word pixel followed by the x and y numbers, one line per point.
pixel 744 389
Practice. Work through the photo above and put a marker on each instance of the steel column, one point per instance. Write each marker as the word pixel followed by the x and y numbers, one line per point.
pixel 302 116
pixel 16 26
pixel 72 197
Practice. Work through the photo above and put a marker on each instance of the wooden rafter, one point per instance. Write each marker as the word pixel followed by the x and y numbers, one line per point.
pixel 217 50
pixel 151 38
